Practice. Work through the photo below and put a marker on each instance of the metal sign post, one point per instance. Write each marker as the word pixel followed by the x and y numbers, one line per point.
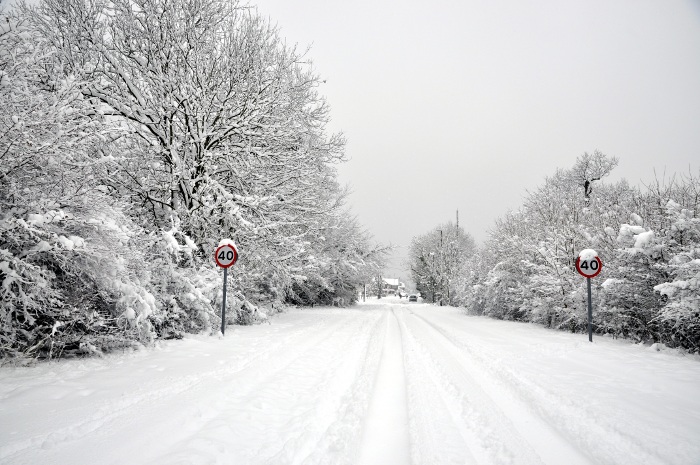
pixel 590 309
pixel 223 302
pixel 588 265
pixel 225 256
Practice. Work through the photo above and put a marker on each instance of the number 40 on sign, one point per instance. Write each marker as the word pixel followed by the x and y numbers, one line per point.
pixel 226 255
pixel 588 263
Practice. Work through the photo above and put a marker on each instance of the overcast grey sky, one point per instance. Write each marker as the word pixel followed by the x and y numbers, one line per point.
pixel 466 104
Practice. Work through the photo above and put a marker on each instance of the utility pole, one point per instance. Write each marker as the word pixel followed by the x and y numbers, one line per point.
pixel 432 275
pixel 441 264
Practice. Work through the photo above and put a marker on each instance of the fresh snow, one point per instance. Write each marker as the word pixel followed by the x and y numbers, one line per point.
pixel 587 254
pixel 386 382
pixel 227 242
pixel 643 240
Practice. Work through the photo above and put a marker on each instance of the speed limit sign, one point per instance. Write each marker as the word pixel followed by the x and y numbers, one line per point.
pixel 588 265
pixel 226 255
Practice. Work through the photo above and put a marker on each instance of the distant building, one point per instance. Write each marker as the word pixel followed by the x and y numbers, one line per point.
pixel 392 286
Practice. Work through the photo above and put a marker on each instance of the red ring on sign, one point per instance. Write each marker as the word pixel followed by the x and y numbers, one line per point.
pixel 582 273
pixel 235 256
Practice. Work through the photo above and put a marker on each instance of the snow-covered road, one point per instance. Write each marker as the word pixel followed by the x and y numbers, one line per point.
pixel 386 382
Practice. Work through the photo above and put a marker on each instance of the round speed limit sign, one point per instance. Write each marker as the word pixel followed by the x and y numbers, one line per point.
pixel 226 255
pixel 589 265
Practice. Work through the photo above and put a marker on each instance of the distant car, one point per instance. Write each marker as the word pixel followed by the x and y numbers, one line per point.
pixel 413 298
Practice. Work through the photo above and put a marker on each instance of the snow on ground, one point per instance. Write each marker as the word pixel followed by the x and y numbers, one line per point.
pixel 387 382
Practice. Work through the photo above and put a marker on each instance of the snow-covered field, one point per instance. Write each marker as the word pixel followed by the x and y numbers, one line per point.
pixel 386 382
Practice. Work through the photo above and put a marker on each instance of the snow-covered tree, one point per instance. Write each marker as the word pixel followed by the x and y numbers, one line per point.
pixel 343 260
pixel 65 257
pixel 534 249
pixel 590 168
pixel 436 260
pixel 227 127
pixel 135 136
pixel 647 240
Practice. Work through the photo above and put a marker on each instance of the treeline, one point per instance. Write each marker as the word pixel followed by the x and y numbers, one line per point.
pixel 648 239
pixel 134 136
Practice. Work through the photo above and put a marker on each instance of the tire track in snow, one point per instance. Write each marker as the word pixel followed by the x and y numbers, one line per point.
pixel 467 424
pixel 274 414
pixel 602 440
pixel 246 404
pixel 385 439
pixel 507 430
pixel 439 433
pixel 326 435
pixel 149 395
pixel 340 441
